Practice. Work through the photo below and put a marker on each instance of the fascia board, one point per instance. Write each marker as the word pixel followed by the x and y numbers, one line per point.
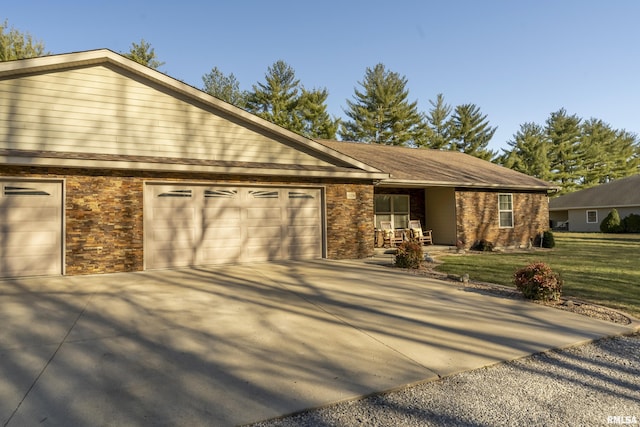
pixel 411 183
pixel 187 168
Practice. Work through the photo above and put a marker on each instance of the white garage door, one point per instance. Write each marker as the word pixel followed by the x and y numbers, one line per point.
pixel 199 225
pixel 30 228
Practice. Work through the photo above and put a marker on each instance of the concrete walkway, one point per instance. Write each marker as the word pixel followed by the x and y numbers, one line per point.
pixel 237 344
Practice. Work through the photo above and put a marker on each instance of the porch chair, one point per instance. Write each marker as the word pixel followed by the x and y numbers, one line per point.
pixel 389 235
pixel 423 236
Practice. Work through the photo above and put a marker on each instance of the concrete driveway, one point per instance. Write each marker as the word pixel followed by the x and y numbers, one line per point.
pixel 237 344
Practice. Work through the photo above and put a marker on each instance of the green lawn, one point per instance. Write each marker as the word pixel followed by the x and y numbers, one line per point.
pixel 600 268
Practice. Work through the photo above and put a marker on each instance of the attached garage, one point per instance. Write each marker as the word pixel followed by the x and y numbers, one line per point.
pixel 31 224
pixel 110 166
pixel 198 225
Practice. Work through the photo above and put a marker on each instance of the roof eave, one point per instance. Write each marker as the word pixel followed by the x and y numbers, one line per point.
pixel 414 183
pixel 593 207
pixel 187 168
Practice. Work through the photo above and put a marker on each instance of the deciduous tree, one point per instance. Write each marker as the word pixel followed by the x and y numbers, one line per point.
pixel 18 45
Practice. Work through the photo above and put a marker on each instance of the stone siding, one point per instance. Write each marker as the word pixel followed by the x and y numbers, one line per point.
pixel 104 214
pixel 350 228
pixel 478 218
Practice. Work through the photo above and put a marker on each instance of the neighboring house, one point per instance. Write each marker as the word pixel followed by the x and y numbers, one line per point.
pixel 584 210
pixel 463 199
pixel 110 166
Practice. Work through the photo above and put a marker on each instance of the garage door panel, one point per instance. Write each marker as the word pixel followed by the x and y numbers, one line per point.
pixel 30 228
pixel 173 213
pixel 303 251
pixel 217 256
pixel 303 231
pixel 235 224
pixel 264 213
pixel 171 257
pixel 32 264
pixel 273 232
pixel 213 245
pixel 263 253
pixel 303 222
pixel 212 215
pixel 33 239
pixel 29 212
pixel 221 231
pixel 176 238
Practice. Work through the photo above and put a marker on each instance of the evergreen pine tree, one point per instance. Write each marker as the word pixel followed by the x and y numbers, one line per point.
pixel 612 223
pixel 596 140
pixel 224 87
pixel 284 101
pixel 529 152
pixel 144 54
pixel 470 131
pixel 276 99
pixel 626 149
pixel 380 113
pixel 316 122
pixel 564 134
pixel 438 124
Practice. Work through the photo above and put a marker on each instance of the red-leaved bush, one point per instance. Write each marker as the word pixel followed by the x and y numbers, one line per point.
pixel 537 281
pixel 409 254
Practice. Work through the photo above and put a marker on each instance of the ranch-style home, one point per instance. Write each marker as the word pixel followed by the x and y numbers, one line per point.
pixel 584 210
pixel 109 166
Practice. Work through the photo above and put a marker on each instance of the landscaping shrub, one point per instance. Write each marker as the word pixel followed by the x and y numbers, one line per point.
pixel 612 223
pixel 548 241
pixel 537 281
pixel 631 223
pixel 483 246
pixel 409 254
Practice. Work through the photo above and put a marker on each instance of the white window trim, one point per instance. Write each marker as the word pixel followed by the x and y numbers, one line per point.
pixel 592 222
pixel 500 211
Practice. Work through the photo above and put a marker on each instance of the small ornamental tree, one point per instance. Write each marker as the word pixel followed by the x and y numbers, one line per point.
pixel 537 281
pixel 612 223
pixel 409 254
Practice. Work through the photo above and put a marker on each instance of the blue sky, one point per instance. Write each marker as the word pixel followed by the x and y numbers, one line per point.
pixel 517 60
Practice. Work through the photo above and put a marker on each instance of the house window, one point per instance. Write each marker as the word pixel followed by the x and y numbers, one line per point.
pixel 592 217
pixel 392 207
pixel 505 209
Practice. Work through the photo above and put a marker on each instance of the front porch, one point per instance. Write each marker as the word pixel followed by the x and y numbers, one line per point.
pixel 434 207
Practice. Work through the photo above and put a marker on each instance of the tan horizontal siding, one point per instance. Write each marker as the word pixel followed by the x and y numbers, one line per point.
pixel 96 110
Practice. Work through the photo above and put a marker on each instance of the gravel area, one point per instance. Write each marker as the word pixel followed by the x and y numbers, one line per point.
pixel 588 385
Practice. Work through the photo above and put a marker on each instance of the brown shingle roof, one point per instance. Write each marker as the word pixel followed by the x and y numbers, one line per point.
pixel 413 166
pixel 618 193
